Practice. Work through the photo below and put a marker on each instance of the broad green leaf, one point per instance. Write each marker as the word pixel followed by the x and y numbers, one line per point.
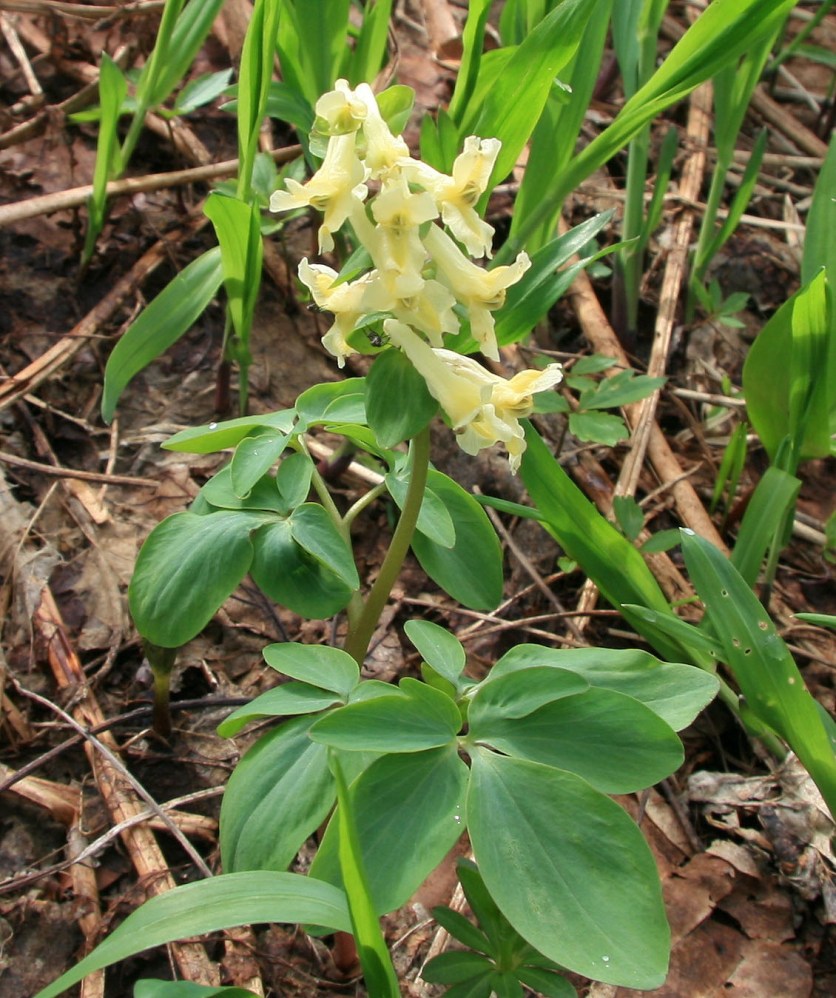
pixel 585 893
pixel 279 794
pixel 398 402
pixel 293 479
pixel 313 530
pixel 335 402
pixel 329 668
pixel 220 493
pixel 409 814
pixel 286 104
pixel 169 316
pixel 286 700
pixel 598 427
pixel 368 56
pixel 520 692
pixel 253 458
pixel 675 692
pixel 434 519
pixel 761 662
pixel 219 436
pixel 283 570
pixel 438 647
pixel 187 567
pixel 420 718
pixel 209 906
pixel 611 740
pixel 471 570
pixel 149 988
pixel 472 49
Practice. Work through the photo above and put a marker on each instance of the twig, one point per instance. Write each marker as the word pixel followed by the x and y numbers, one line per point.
pixel 77 196
pixel 84 476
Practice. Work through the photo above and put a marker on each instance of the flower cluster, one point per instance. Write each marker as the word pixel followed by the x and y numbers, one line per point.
pixel 420 275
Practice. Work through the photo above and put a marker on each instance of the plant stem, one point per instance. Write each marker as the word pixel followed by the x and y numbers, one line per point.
pixel 357 642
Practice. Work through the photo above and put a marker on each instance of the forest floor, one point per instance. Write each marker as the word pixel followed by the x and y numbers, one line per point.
pixel 751 903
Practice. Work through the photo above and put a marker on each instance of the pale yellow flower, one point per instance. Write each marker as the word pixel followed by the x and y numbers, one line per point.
pixel 383 150
pixel 430 310
pixel 396 246
pixel 483 408
pixel 334 189
pixel 457 196
pixel 480 291
pixel 340 111
pixel 344 301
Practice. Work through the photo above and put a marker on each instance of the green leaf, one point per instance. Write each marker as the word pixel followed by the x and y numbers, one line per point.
pixel 367 59
pixel 409 814
pixel 313 530
pixel 629 515
pixel 822 619
pixel 253 458
pixel 607 557
pixel 293 479
pixel 187 567
pixel 434 520
pixel 237 226
pixel 773 499
pixel 335 402
pixel 329 668
pixel 219 492
pixel 471 570
pixel 419 718
pixel 585 894
pixel 509 109
pixel 438 647
pixel 283 570
pixel 664 540
pixel 819 248
pixel 201 91
pixel 598 427
pixel 255 74
pixel 516 693
pixel 185 989
pixel 286 700
pixel 398 402
pixel 548 983
pixel 463 930
pixel 378 971
pixel 621 389
pixel 209 906
pixel 219 436
pixel 279 794
pixel 761 662
pixel 455 966
pixel 169 316
pixel 611 740
pixel 173 55
pixel 676 693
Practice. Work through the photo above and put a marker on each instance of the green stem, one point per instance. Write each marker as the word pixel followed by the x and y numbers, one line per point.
pixel 365 500
pixel 360 635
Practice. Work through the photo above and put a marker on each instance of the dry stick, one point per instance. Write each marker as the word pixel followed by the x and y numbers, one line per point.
pixel 84 476
pixel 76 197
pixel 642 414
pixel 118 794
pixel 19 52
pixel 82 12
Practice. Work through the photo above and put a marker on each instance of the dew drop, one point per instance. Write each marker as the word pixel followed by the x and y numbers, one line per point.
pixel 213 426
pixel 606 959
pixel 791 680
pixel 255 453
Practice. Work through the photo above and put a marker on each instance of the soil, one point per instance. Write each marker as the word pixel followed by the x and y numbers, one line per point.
pixel 752 904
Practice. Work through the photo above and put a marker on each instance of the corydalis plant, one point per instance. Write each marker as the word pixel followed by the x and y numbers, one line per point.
pixel 420 281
